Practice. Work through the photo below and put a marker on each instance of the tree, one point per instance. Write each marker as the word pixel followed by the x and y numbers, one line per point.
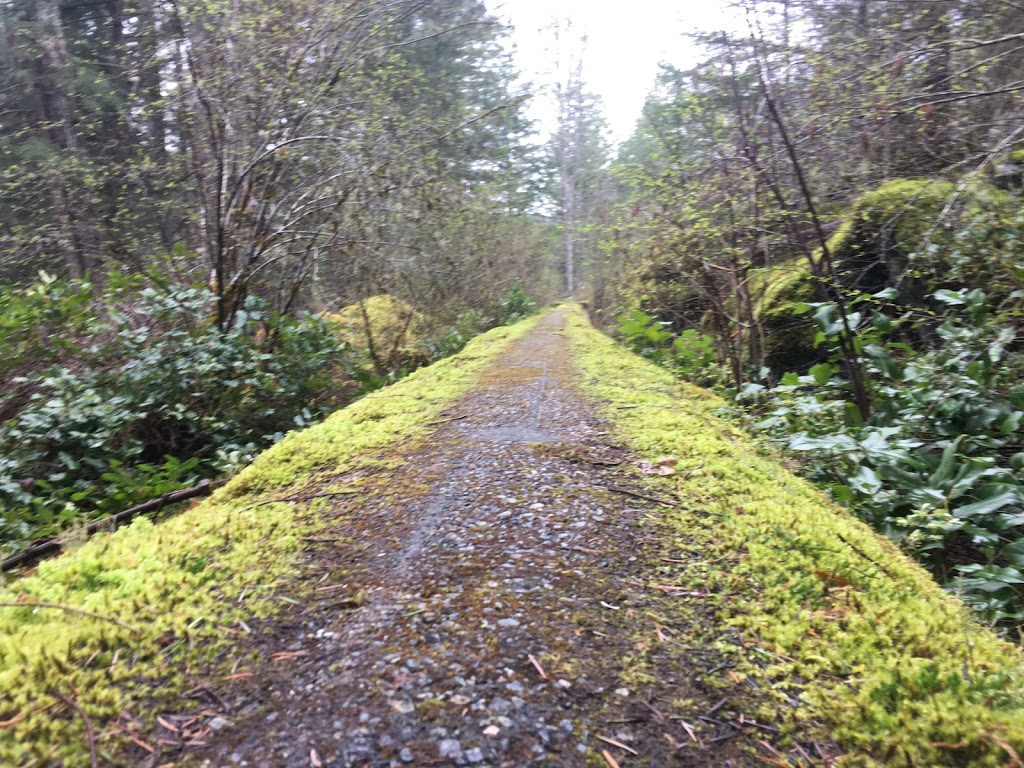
pixel 579 153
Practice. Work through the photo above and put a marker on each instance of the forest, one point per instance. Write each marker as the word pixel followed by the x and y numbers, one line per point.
pixel 222 221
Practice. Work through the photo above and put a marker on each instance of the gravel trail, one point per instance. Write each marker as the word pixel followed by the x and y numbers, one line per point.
pixel 486 608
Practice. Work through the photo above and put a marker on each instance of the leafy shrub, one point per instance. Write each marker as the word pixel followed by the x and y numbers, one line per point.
pixel 690 354
pixel 510 308
pixel 936 466
pixel 146 396
pixel 513 306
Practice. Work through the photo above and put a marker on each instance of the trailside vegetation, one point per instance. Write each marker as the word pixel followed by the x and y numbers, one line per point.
pixel 823 220
pixel 848 636
pixel 125 392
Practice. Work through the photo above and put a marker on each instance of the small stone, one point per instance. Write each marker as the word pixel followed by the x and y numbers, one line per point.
pixel 500 706
pixel 509 622
pixel 406 755
pixel 564 684
pixel 515 686
pixel 622 691
pixel 449 748
pixel 402 706
pixel 492 730
pixel 475 755
pixel 218 724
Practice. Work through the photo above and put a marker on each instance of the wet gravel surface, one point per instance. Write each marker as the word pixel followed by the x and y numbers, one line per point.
pixel 478 610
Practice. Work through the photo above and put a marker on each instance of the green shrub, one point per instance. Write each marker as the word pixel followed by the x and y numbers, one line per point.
pixel 146 395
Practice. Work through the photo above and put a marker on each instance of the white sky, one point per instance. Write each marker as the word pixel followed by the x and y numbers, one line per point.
pixel 626 39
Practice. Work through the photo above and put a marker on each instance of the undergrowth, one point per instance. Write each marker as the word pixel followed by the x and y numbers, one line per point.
pixel 874 652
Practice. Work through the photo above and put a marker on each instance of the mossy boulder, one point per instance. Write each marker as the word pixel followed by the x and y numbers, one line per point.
pixel 777 292
pixel 900 236
pixel 388 329
pixel 917 234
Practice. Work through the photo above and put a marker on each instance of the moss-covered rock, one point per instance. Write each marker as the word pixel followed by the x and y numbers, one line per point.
pixel 789 338
pixel 902 236
pixel 892 238
pixel 389 329
pixel 857 641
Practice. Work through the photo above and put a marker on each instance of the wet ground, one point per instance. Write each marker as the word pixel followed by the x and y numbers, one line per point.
pixel 489 606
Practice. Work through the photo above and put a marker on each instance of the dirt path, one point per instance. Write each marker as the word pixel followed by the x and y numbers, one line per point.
pixel 486 608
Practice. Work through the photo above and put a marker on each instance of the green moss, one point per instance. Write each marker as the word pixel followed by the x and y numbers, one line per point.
pixel 389 324
pixel 166 587
pixel 892 667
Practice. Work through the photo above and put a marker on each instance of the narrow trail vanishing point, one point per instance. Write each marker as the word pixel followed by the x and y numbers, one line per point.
pixel 485 603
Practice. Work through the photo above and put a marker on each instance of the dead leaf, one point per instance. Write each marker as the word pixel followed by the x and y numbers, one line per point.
pixel 659 468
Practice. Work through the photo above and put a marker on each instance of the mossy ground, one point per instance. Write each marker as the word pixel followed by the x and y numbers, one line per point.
pixel 838 620
pixel 172 593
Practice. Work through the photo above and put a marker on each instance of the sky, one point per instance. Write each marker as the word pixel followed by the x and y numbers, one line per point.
pixel 626 39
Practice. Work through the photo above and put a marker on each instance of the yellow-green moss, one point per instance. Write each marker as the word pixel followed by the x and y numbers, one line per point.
pixel 171 584
pixel 393 324
pixel 896 669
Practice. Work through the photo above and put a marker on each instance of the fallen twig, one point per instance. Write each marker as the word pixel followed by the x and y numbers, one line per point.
pixel 690 732
pixel 871 560
pixel 612 762
pixel 537 666
pixel 445 421
pixel 618 744
pixel 90 735
pixel 204 488
pixel 72 609
pixel 311 497
pixel 637 495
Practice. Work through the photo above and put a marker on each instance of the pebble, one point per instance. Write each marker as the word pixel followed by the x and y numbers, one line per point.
pixel 450 748
pixel 475 755
pixel 500 706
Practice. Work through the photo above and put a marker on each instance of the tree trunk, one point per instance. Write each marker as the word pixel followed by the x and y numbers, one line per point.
pixel 57 128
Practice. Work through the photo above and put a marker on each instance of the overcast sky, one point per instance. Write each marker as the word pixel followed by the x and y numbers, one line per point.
pixel 626 39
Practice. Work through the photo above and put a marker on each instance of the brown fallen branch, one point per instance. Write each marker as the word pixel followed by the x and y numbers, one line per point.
pixel 204 488
pixel 72 609
pixel 90 735
pixel 637 495
pixel 446 421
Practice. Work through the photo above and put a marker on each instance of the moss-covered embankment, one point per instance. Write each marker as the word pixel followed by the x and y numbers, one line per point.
pixel 894 669
pixel 126 616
